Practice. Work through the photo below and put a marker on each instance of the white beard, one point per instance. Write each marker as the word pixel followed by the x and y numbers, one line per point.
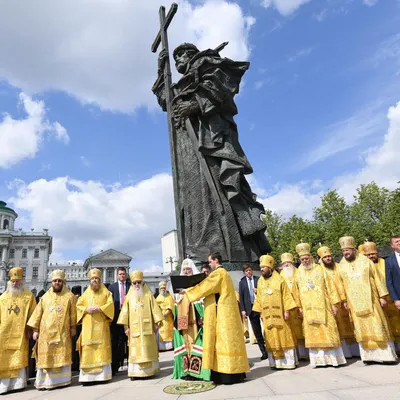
pixel 137 293
pixel 288 272
pixel 14 291
pixel 307 266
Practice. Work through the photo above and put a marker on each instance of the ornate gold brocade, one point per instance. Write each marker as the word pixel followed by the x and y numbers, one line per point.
pixel 140 315
pixel 14 314
pixel 166 304
pixel 224 349
pixel 94 343
pixel 317 294
pixel 53 318
pixel 362 289
pixel 272 300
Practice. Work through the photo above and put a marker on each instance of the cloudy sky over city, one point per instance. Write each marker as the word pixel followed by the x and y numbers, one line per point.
pixel 84 146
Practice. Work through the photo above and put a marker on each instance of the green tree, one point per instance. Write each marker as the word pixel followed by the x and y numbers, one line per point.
pixel 273 231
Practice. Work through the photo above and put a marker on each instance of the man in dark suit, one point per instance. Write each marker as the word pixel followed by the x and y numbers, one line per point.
pixel 119 291
pixel 247 294
pixel 392 267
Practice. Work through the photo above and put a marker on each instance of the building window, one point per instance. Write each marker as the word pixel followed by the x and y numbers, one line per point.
pixel 23 273
pixel 24 253
pixel 6 224
pixel 35 272
pixel 36 253
pixel 110 273
pixel 12 253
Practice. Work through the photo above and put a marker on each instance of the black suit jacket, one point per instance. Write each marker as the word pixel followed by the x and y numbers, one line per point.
pixel 244 294
pixel 392 268
pixel 114 289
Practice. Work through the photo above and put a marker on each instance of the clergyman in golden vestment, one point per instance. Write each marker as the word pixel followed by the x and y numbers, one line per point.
pixel 392 313
pixel 274 301
pixel 54 323
pixel 364 295
pixel 95 311
pixel 318 299
pixel 16 306
pixel 224 350
pixel 141 316
pixel 289 272
pixel 344 323
pixel 165 334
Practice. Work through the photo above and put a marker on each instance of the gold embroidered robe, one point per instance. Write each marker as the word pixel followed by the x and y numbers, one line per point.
pixel 343 320
pixel 391 312
pixel 362 290
pixel 273 298
pixel 295 321
pixel 14 343
pixel 317 294
pixel 140 315
pixel 166 304
pixel 94 343
pixel 53 318
pixel 224 349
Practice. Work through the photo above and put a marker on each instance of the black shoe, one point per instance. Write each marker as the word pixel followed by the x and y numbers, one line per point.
pixel 132 378
pixel 264 356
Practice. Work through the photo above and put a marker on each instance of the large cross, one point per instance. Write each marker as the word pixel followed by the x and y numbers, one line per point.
pixel 162 38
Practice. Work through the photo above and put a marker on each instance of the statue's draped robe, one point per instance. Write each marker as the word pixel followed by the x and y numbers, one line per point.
pixel 212 82
pixel 273 298
pixel 295 320
pixel 188 339
pixel 224 350
pixel 166 331
pixel 53 318
pixel 317 294
pixel 344 323
pixel 14 343
pixel 94 343
pixel 392 313
pixel 140 314
pixel 362 290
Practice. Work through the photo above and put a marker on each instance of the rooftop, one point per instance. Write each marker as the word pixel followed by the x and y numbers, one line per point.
pixel 3 207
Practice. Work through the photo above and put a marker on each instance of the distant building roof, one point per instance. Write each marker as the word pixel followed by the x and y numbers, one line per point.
pixel 4 208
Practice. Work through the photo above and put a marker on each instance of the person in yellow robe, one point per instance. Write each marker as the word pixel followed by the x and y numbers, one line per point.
pixel 318 302
pixel 224 349
pixel 364 295
pixel 289 272
pixel 54 324
pixel 165 334
pixel 95 311
pixel 392 313
pixel 141 317
pixel 344 323
pixel 274 301
pixel 16 306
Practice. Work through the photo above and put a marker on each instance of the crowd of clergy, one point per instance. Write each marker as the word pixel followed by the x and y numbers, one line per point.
pixel 324 312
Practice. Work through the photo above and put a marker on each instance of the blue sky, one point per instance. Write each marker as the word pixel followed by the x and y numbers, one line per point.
pixel 85 147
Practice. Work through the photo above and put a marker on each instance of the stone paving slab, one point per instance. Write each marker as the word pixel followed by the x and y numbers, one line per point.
pixel 353 381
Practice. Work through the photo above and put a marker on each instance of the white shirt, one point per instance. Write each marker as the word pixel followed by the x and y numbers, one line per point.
pixel 398 258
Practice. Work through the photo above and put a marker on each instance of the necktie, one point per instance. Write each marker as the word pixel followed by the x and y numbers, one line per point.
pixel 122 297
pixel 252 297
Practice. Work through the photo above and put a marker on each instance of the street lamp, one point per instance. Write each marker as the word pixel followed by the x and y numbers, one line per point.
pixel 5 265
pixel 171 260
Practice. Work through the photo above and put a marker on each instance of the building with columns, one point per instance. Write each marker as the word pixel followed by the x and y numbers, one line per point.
pixel 28 250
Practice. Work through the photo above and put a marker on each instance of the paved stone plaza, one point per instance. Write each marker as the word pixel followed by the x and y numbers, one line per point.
pixel 354 381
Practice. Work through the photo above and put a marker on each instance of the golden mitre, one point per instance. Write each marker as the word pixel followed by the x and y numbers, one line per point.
pixel 370 248
pixel 287 257
pixel 361 249
pixel 267 261
pixel 347 242
pixel 303 249
pixel 136 276
pixel 58 274
pixel 162 285
pixel 324 251
pixel 94 273
pixel 16 274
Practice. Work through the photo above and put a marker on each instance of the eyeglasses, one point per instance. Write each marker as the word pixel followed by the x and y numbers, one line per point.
pixel 137 283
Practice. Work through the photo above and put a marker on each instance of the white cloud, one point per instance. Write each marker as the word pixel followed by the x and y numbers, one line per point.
pixel 83 215
pixel 301 53
pixel 370 3
pixel 85 161
pixel 321 16
pixel 21 138
pixel 99 51
pixel 284 7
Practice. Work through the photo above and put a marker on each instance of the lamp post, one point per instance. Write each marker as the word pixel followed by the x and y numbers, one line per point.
pixel 5 265
pixel 171 260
